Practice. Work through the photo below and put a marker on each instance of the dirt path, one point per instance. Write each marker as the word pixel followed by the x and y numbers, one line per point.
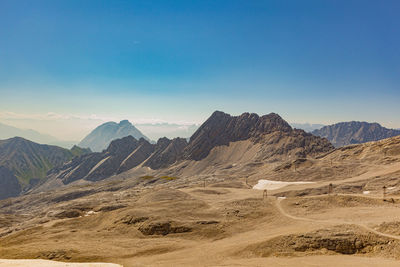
pixel 284 213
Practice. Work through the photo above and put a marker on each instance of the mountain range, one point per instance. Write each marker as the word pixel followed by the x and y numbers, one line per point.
pixel 248 141
pixel 269 137
pixel 354 132
pixel 100 138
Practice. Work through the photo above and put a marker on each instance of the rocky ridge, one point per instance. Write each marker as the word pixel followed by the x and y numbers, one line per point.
pixel 354 132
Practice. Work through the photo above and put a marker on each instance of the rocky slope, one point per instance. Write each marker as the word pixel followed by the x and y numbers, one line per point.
pixel 354 132
pixel 121 155
pixel 29 162
pixel 221 129
pixel 9 184
pixel 102 136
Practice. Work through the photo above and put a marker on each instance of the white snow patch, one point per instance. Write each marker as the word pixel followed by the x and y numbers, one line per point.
pixel 281 197
pixel 90 212
pixel 47 263
pixel 366 192
pixel 391 188
pixel 273 185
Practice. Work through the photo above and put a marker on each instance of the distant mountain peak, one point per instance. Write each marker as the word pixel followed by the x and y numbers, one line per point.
pixel 355 132
pixel 101 137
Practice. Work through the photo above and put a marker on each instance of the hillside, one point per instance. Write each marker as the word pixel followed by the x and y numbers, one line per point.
pixel 29 162
pixel 102 136
pixel 354 132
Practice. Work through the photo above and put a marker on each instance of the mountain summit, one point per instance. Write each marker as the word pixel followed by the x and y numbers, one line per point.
pixel 222 128
pixel 101 137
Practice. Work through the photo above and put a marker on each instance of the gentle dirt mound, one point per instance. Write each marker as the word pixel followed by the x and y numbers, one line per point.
pixel 341 239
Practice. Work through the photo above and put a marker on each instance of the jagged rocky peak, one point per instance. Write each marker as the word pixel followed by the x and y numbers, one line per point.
pixel 123 144
pixel 222 128
pixel 166 152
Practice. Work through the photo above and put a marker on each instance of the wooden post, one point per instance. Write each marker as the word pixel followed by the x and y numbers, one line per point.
pixel 330 189
pixel 265 194
pixel 384 192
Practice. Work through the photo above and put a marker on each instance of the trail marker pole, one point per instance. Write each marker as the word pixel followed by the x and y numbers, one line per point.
pixel 384 192
pixel 265 194
pixel 330 189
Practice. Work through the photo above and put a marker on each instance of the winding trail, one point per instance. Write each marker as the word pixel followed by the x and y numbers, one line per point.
pixel 284 213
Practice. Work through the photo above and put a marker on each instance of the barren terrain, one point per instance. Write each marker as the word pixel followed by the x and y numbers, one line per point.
pixel 218 219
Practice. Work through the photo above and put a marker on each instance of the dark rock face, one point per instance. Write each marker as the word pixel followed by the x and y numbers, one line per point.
pixel 166 152
pixel 163 228
pixel 9 185
pixel 354 132
pixel 221 128
pixel 101 137
pixel 137 156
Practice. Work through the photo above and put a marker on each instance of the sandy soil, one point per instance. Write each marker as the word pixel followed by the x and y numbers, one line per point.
pixel 136 222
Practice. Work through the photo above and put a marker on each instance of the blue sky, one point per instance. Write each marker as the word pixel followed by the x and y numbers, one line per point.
pixel 178 61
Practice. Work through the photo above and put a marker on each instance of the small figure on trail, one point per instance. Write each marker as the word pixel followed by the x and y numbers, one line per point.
pixel 265 194
pixel 330 189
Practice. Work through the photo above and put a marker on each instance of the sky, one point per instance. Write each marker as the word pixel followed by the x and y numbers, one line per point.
pixel 67 66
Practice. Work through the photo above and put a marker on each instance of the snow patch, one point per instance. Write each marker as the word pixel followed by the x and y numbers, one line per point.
pixel 90 212
pixel 273 185
pixel 48 263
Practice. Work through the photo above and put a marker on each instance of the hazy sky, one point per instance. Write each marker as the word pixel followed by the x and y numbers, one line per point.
pixel 66 66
